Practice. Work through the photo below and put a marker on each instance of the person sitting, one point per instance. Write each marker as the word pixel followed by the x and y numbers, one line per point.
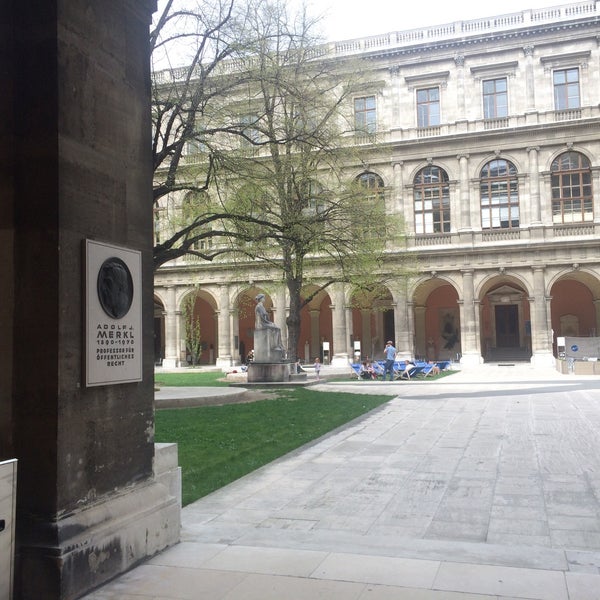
pixel 366 371
pixel 407 368
pixel 435 370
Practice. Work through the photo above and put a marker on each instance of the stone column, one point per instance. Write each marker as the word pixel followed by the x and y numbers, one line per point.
pixel 459 61
pixel 468 327
pixel 464 192
pixel 315 339
pixel 534 186
pixel 404 335
pixel 541 338
pixel 399 203
pixel 280 312
pixel 420 331
pixel 529 79
pixel 365 340
pixel 172 344
pixel 340 334
pixel 225 356
pixel 90 504
pixel 410 332
pixel 597 313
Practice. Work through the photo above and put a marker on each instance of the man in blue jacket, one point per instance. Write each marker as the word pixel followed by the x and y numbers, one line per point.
pixel 390 355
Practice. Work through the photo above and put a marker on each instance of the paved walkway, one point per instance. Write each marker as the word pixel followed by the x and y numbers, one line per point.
pixel 482 485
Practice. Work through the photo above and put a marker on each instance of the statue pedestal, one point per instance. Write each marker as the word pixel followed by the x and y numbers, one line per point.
pixel 268 372
pixel 266 349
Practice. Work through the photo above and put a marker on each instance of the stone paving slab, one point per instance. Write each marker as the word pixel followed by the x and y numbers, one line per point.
pixel 484 484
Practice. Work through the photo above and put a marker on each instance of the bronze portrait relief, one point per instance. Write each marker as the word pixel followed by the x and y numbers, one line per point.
pixel 115 287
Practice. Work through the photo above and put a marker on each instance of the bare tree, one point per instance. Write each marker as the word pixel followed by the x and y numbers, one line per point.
pixel 190 41
pixel 290 175
pixel 272 121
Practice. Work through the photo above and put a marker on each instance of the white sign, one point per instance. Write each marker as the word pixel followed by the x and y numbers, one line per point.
pixel 113 303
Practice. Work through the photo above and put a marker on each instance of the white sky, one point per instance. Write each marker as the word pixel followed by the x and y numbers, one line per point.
pixel 348 19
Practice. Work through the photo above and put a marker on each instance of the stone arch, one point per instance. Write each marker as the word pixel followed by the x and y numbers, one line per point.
pixel 436 319
pixel 199 333
pixel 315 325
pixel 505 317
pixel 159 329
pixel 515 160
pixel 574 304
pixel 450 171
pixel 372 320
pixel 564 149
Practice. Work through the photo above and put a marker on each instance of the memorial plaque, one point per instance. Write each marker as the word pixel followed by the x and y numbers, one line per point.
pixel 113 301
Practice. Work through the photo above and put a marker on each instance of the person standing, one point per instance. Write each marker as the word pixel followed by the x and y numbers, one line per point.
pixel 317 367
pixel 390 355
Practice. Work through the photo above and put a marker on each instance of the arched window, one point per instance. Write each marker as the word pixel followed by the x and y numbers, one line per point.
pixel 372 181
pixel 432 201
pixel 571 188
pixel 499 195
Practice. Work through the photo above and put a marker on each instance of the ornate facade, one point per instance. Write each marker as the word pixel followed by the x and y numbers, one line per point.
pixel 485 136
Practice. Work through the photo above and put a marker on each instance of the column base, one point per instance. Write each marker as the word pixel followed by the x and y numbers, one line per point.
pixel 224 362
pixel 339 360
pixel 543 359
pixel 170 363
pixel 85 550
pixel 471 359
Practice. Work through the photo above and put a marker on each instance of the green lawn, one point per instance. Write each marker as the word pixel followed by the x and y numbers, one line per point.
pixel 218 444
pixel 196 379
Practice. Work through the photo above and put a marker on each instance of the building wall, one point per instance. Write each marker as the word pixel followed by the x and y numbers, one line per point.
pixel 525 49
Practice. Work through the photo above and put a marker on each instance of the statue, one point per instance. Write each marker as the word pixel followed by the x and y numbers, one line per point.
pixel 274 350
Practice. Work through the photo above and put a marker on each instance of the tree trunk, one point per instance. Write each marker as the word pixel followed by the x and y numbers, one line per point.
pixel 293 319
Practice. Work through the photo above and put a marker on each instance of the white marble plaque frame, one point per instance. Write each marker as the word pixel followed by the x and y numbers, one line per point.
pixel 113 314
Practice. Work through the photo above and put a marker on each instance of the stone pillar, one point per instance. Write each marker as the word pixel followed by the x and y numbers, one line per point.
pixel 597 313
pixel 340 334
pixel 77 167
pixel 471 354
pixel 315 340
pixel 365 346
pixel 534 186
pixel 224 358
pixel 410 332
pixel 529 79
pixel 541 338
pixel 420 344
pixel 404 336
pixel 459 61
pixel 350 330
pixel 172 341
pixel 280 313
pixel 464 191
pixel 400 203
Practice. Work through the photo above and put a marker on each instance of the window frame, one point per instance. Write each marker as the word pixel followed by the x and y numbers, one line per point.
pixel 431 219
pixel 495 207
pixel 561 91
pixel 367 124
pixel 494 113
pixel 425 116
pixel 563 180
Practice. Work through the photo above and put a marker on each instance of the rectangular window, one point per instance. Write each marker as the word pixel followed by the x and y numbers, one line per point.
pixel 495 98
pixel 365 115
pixel 566 89
pixel 428 107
